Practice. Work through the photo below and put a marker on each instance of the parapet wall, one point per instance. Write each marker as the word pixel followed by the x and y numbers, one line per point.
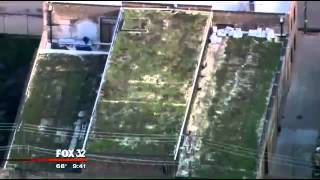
pixel 279 91
pixel 250 20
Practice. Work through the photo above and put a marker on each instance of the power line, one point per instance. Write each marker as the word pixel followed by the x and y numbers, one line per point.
pixel 250 150
pixel 103 132
pixel 52 132
pixel 141 160
pixel 255 151
pixel 30 130
pixel 112 159
pixel 93 156
pixel 275 160
pixel 34 130
pixel 225 145
pixel 237 153
pixel 247 152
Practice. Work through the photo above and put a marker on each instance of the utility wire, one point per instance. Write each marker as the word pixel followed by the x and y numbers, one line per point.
pixel 103 132
pixel 102 158
pixel 242 151
pixel 28 130
pixel 275 160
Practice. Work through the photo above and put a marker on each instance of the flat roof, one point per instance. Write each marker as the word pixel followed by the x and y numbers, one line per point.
pixel 228 112
pixel 61 94
pixel 148 83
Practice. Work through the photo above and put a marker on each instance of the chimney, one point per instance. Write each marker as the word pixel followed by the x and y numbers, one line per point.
pixel 251 6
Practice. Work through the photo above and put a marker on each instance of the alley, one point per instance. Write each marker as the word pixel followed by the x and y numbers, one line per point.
pixel 300 119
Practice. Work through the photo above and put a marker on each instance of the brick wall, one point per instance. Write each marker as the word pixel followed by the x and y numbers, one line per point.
pixel 277 99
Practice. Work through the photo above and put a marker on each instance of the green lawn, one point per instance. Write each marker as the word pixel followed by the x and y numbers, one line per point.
pixel 148 77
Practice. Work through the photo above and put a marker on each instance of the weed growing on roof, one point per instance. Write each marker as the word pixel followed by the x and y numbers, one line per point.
pixel 244 78
pixel 164 61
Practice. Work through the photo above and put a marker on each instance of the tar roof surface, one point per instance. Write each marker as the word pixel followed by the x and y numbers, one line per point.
pixel 148 82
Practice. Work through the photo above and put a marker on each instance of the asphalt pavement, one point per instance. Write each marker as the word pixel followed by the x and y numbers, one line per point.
pixel 301 116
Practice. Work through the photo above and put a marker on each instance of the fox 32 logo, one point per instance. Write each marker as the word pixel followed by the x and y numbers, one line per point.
pixel 67 153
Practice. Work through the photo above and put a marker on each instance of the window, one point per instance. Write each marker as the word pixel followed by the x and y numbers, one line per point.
pixel 106 29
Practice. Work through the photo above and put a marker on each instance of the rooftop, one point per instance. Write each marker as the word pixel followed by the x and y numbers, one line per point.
pixel 73 26
pixel 228 110
pixel 148 83
pixel 146 75
pixel 59 98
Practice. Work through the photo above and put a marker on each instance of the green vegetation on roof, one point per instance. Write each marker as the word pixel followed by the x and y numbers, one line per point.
pixel 242 82
pixel 147 81
pixel 62 86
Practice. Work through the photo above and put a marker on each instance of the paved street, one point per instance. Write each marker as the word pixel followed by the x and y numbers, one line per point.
pixel 298 136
